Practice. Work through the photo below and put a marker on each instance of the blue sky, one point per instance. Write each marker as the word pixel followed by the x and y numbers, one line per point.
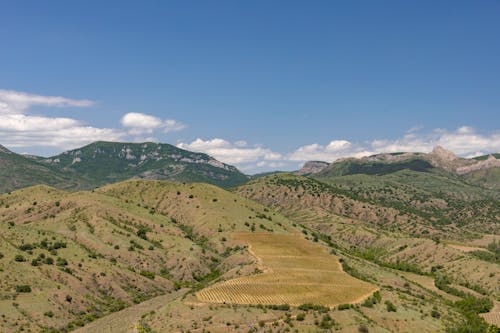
pixel 259 84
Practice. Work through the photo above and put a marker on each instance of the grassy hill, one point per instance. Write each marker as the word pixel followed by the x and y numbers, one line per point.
pixel 68 258
pixel 140 256
pixel 440 197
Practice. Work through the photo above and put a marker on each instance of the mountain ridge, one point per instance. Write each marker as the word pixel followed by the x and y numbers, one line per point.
pixel 101 163
pixel 439 158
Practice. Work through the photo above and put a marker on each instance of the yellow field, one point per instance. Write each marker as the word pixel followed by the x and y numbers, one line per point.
pixel 296 271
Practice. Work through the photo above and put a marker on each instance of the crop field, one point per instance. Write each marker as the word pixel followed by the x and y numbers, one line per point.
pixel 295 271
pixel 493 317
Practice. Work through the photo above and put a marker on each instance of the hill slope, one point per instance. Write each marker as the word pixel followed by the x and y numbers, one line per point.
pixel 17 171
pixel 68 258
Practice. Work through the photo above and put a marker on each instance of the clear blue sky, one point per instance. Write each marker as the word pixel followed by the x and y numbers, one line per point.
pixel 278 74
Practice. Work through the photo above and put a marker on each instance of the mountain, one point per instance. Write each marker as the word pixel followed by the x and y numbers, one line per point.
pixel 17 171
pixel 102 163
pixel 108 162
pixel 386 163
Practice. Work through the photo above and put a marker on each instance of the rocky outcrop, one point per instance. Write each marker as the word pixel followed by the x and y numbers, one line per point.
pixel 490 162
pixel 312 167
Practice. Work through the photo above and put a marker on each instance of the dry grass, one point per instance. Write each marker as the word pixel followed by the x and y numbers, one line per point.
pixel 295 272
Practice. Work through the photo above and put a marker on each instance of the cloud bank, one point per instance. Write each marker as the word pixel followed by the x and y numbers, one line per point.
pixel 464 141
pixel 19 128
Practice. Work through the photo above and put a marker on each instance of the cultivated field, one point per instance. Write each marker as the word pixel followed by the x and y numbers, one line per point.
pixel 493 317
pixel 295 271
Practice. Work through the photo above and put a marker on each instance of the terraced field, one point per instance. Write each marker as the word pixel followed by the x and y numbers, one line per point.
pixel 295 271
pixel 493 317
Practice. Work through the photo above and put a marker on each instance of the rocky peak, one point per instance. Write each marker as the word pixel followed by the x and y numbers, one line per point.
pixel 312 167
pixel 443 154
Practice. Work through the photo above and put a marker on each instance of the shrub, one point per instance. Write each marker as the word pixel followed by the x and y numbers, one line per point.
pixel 390 306
pixel 69 298
pixel 148 274
pixel 49 314
pixel 49 261
pixel 62 262
pixel 142 232
pixel 301 316
pixel 26 247
pixel 344 307
pixel 19 258
pixel 363 329
pixel 24 288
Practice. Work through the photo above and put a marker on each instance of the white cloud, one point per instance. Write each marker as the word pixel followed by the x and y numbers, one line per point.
pixel 17 102
pixel 18 129
pixel 238 153
pixel 140 123
pixel 464 141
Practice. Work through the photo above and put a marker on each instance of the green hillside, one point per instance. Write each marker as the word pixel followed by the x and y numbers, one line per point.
pixel 352 167
pixel 109 162
pixel 102 163
pixel 17 171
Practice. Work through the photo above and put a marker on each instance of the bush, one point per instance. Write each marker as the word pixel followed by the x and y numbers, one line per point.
pixel 19 258
pixel 49 314
pixel 23 288
pixel 344 307
pixel 390 306
pixel 363 329
pixel 48 261
pixel 301 316
pixel 62 262
pixel 142 232
pixel 69 298
pixel 148 274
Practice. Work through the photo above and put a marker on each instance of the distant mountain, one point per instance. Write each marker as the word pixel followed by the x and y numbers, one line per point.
pixel 102 163
pixel 18 171
pixel 483 170
pixel 108 162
